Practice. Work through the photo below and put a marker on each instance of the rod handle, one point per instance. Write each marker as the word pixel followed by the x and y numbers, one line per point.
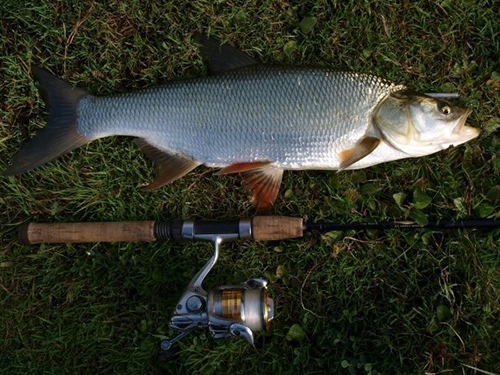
pixel 271 228
pixel 127 231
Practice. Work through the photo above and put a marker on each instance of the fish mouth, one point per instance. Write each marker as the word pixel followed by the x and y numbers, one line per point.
pixel 462 131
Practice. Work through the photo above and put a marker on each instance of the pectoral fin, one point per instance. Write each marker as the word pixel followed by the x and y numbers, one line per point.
pixel 261 180
pixel 363 148
pixel 170 167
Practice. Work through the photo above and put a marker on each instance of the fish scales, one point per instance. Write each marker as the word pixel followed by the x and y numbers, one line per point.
pixel 294 117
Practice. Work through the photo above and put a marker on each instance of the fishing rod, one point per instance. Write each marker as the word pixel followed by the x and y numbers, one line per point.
pixel 259 228
pixel 229 310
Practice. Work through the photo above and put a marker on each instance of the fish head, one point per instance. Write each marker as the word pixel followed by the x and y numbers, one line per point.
pixel 421 125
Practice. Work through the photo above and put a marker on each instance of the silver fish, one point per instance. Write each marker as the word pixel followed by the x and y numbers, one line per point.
pixel 254 119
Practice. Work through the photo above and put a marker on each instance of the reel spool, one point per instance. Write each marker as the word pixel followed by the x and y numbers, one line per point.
pixel 240 310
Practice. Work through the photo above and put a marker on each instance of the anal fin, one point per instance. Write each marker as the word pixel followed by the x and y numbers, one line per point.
pixel 261 180
pixel 170 167
pixel 363 148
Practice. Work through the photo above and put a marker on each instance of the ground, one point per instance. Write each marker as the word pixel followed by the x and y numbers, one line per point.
pixel 367 302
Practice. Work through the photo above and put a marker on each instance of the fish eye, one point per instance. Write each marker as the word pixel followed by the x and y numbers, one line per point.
pixel 443 107
pixel 445 110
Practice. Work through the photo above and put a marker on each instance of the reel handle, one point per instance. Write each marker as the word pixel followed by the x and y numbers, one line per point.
pixel 259 228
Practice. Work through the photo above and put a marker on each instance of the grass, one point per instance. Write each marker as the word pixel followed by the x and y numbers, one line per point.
pixel 394 302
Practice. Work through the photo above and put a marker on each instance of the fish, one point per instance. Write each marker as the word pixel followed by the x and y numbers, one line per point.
pixel 250 118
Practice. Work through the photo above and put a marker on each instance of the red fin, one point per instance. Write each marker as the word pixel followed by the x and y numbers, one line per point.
pixel 264 184
pixel 243 167
pixel 170 167
pixel 363 148
pixel 261 180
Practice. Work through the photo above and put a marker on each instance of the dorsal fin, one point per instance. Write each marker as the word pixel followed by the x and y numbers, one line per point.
pixel 221 58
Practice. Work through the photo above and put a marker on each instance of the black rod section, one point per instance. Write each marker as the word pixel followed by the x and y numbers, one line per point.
pixel 441 224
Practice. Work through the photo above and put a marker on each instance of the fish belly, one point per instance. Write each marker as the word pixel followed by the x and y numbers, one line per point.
pixel 297 118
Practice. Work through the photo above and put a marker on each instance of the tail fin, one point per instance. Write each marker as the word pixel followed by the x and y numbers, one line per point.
pixel 61 134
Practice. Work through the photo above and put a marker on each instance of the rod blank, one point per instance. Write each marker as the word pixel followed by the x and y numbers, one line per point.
pixel 442 224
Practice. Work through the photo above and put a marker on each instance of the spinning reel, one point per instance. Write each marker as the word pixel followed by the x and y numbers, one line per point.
pixel 226 311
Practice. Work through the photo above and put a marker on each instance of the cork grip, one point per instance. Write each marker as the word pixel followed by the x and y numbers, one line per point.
pixel 269 228
pixel 128 231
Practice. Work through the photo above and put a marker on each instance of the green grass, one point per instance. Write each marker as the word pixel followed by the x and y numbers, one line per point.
pixel 367 302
